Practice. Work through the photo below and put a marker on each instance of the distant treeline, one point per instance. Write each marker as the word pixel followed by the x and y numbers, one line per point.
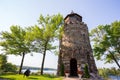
pixel 35 68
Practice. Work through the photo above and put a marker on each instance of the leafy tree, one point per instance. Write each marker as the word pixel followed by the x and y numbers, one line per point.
pixel 106 72
pixel 9 67
pixel 6 67
pixel 106 40
pixel 3 61
pixel 45 34
pixel 16 42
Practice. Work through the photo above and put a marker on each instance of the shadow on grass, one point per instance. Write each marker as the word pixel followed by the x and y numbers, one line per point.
pixel 6 78
pixel 33 78
pixel 50 76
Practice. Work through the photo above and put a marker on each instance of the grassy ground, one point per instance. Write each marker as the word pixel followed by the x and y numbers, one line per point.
pixel 31 77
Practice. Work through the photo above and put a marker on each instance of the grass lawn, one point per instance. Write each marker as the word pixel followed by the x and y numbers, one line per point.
pixel 31 77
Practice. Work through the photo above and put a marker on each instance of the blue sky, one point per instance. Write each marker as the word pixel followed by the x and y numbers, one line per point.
pixel 26 13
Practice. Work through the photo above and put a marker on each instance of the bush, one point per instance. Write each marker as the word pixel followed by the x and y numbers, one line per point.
pixel 35 73
pixel 87 74
pixel 105 72
pixel 3 61
pixel 8 67
pixel 49 75
pixel 62 70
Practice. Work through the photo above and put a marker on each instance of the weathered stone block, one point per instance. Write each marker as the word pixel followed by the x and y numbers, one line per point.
pixel 75 45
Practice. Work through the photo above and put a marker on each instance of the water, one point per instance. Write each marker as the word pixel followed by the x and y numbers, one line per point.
pixel 45 71
pixel 50 72
pixel 113 77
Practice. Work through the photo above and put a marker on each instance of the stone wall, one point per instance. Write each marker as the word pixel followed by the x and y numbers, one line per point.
pixel 75 44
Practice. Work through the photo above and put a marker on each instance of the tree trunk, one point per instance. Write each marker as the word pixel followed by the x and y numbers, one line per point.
pixel 44 54
pixel 21 65
pixel 114 59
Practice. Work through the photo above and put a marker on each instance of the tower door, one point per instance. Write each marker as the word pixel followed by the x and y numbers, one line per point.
pixel 73 67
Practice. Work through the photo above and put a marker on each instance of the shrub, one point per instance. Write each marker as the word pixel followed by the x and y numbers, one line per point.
pixel 62 70
pixel 87 74
pixel 49 75
pixel 105 72
pixel 8 67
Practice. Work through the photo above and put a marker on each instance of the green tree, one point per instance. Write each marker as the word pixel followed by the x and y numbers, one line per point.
pixel 106 40
pixel 3 61
pixel 9 67
pixel 6 67
pixel 45 33
pixel 105 72
pixel 16 42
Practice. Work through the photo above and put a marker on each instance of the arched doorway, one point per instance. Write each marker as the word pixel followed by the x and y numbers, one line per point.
pixel 73 67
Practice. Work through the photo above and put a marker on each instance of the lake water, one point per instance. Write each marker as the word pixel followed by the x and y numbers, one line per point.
pixel 114 77
pixel 45 71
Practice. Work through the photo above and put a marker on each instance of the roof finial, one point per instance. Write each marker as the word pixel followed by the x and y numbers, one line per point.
pixel 72 12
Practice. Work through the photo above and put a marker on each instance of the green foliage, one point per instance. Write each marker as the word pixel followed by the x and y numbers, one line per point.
pixel 45 33
pixel 86 72
pixel 37 38
pixel 105 72
pixel 8 67
pixel 49 75
pixel 16 42
pixel 3 61
pixel 106 40
pixel 62 70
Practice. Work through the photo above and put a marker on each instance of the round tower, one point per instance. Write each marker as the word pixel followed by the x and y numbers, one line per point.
pixel 75 48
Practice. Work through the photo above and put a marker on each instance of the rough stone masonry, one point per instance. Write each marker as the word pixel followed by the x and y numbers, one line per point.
pixel 75 49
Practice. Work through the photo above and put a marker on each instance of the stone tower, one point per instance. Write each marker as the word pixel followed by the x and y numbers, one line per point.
pixel 75 49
